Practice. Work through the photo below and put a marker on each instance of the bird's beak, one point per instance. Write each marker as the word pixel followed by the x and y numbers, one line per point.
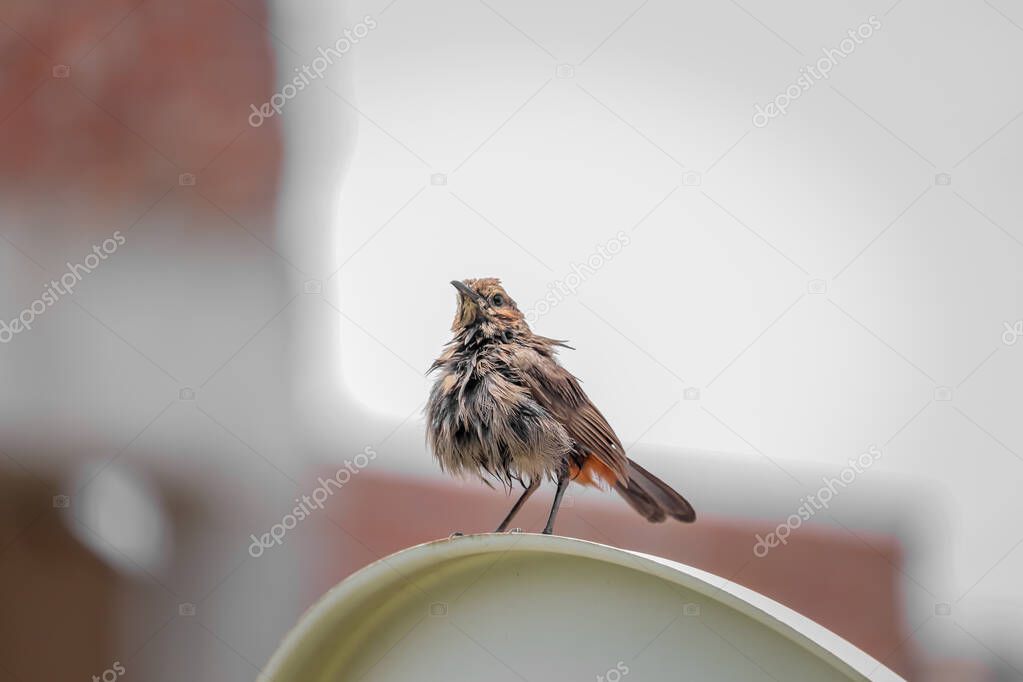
pixel 469 293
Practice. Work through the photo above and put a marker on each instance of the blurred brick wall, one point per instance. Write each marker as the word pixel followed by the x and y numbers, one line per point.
pixel 114 99
pixel 103 106
pixel 57 618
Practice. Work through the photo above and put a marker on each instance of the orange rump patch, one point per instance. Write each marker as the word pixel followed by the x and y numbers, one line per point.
pixel 593 473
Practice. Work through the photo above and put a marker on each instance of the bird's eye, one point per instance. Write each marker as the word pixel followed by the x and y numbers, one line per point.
pixel 497 300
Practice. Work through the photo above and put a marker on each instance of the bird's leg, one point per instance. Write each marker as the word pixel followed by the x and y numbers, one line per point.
pixel 533 485
pixel 562 484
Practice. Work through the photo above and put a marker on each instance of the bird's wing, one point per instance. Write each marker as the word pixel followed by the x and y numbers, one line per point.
pixel 557 391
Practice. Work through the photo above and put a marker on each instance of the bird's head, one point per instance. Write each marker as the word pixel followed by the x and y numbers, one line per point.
pixel 483 303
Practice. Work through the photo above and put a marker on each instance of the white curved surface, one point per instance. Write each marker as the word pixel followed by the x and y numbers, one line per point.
pixel 534 607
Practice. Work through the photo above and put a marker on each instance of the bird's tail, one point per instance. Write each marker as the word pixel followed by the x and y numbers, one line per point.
pixel 654 499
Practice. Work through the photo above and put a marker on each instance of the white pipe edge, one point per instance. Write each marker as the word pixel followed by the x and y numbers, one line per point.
pixel 809 635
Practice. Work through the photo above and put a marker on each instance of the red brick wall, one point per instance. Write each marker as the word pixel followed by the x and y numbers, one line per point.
pixel 151 90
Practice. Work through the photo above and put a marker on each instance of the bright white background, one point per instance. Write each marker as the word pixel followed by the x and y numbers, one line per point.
pixel 713 290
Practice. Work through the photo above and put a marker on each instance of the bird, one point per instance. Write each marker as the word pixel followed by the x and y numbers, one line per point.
pixel 503 408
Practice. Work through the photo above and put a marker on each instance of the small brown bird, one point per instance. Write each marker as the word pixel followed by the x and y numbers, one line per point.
pixel 504 407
